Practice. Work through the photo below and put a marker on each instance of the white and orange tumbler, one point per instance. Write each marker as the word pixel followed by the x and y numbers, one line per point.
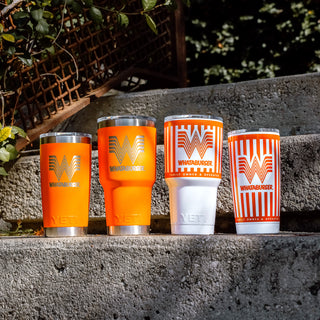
pixel 193 153
pixel 255 178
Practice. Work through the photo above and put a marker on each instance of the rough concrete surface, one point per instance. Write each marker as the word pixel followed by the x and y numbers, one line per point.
pixel 161 277
pixel 289 103
pixel 20 194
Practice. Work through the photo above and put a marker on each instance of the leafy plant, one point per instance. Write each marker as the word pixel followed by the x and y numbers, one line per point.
pixel 38 25
pixel 19 231
pixel 8 139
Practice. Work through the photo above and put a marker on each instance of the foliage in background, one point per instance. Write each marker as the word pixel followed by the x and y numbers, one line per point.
pixel 237 40
pixel 38 24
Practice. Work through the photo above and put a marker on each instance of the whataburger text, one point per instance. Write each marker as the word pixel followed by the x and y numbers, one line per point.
pixel 194 163
pixel 257 187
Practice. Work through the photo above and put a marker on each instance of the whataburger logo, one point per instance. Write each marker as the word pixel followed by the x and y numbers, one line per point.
pixel 194 141
pixel 69 168
pixel 132 151
pixel 250 169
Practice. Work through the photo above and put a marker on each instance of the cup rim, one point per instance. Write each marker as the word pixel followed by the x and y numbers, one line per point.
pixel 192 116
pixel 65 137
pixel 126 120
pixel 253 131
pixel 65 134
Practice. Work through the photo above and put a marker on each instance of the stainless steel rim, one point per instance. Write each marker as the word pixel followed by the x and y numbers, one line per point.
pixel 65 232
pixel 253 131
pixel 193 117
pixel 65 137
pixel 128 230
pixel 126 120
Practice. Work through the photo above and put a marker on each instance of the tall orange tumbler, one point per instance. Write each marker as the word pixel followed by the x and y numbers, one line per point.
pixel 127 171
pixel 65 168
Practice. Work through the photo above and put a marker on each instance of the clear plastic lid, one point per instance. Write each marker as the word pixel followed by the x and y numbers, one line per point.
pixel 253 131
pixel 65 137
pixel 126 120
pixel 192 116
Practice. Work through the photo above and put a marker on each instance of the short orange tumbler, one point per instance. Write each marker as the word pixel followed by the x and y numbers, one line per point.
pixel 127 170
pixel 65 166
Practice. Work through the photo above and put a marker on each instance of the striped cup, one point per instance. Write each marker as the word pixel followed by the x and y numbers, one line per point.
pixel 255 178
pixel 193 151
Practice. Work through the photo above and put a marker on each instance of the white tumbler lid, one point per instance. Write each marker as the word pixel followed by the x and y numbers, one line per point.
pixel 192 116
pixel 252 131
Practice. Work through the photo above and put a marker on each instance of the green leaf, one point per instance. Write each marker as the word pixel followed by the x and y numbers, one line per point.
pixel 20 132
pixel 148 4
pixel 152 25
pixel 3 172
pixel 1 28
pixel 13 152
pixel 11 50
pixel 95 15
pixel 123 20
pixel 42 26
pixel 4 155
pixel 5 133
pixel 37 14
pixel 46 3
pixel 20 15
pixel 48 15
pixel 8 37
pixel 88 3
pixel 51 49
pixel 26 61
pixel 77 7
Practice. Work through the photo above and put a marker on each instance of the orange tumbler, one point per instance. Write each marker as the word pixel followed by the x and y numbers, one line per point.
pixel 127 170
pixel 65 166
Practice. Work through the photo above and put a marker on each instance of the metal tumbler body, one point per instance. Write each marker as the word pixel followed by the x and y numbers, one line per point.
pixel 65 166
pixel 193 154
pixel 127 171
pixel 255 178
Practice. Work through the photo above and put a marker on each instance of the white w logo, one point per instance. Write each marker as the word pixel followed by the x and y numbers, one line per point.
pixel 250 170
pixel 196 142
pixel 70 169
pixel 132 151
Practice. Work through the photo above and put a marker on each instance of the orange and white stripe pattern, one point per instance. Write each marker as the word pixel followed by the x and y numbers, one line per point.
pixel 255 176
pixel 193 148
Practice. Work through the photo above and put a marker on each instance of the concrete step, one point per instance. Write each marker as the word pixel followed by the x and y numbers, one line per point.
pixel 290 104
pixel 20 194
pixel 177 277
pixel 161 277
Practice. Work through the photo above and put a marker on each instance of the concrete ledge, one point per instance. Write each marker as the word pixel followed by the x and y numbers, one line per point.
pixel 289 103
pixel 20 194
pixel 161 277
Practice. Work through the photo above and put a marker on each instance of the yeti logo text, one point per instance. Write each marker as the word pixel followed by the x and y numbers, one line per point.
pixel 132 151
pixel 196 142
pixel 70 169
pixel 255 168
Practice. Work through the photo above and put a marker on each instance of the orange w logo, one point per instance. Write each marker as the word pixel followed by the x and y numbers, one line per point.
pixel 132 151
pixel 255 168
pixel 70 169
pixel 195 143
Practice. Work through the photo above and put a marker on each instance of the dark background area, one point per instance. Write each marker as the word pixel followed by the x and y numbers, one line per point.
pixel 238 40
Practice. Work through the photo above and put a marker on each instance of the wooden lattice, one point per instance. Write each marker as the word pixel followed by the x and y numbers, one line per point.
pixel 89 61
